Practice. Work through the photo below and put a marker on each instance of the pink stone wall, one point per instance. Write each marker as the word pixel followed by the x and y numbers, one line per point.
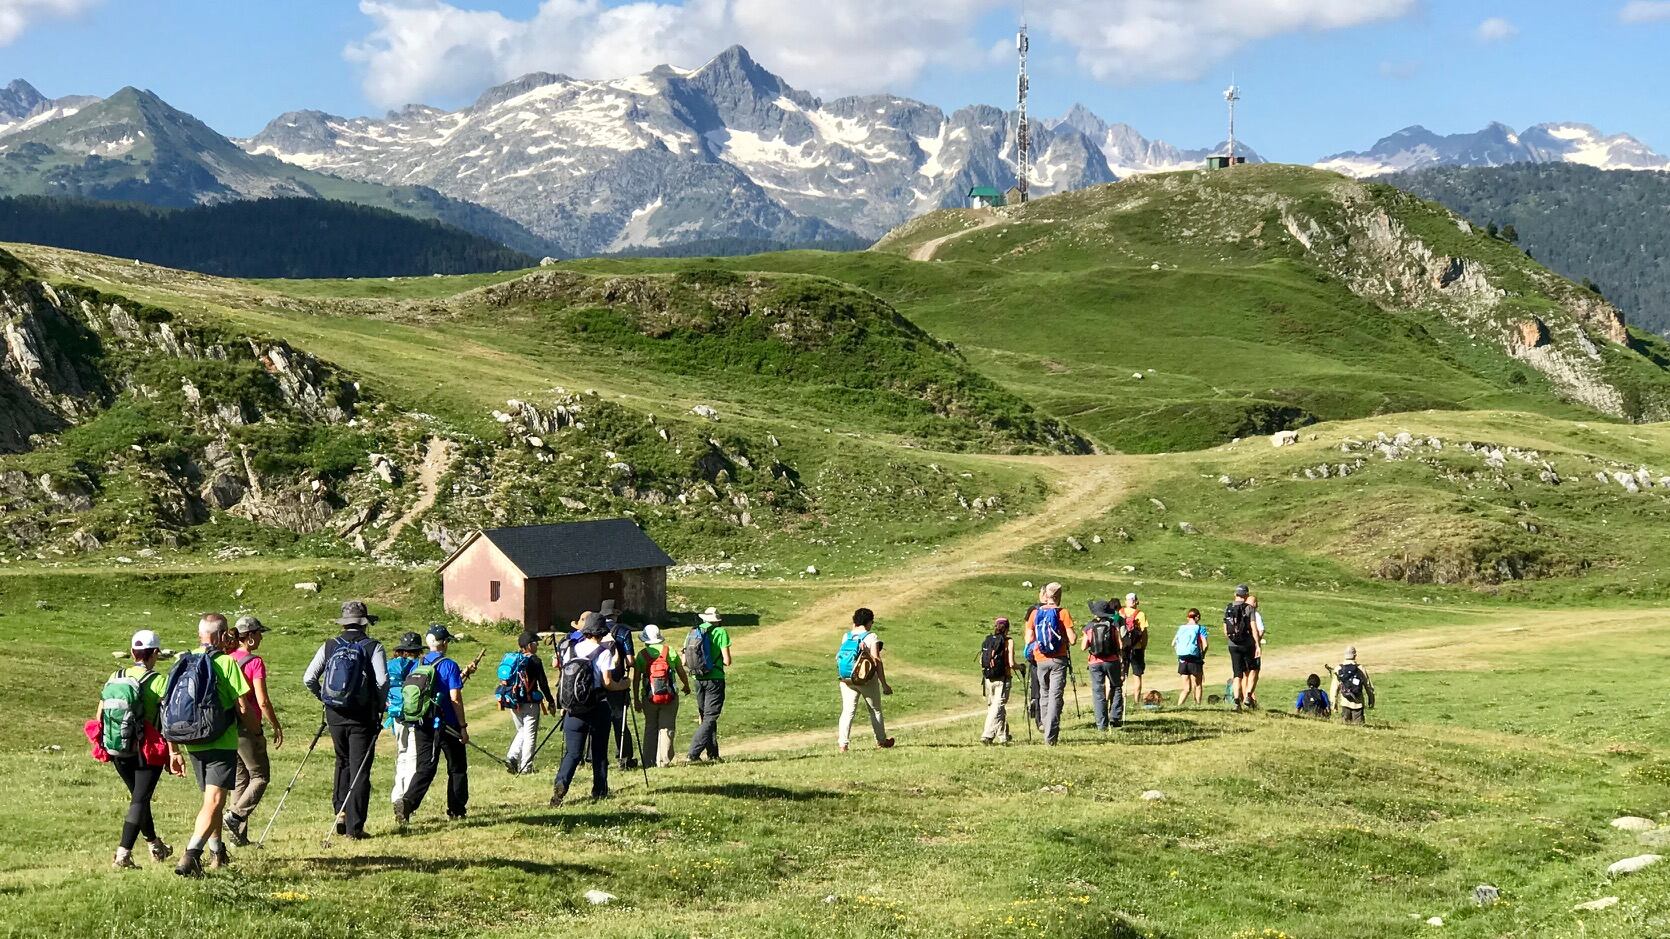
pixel 467 585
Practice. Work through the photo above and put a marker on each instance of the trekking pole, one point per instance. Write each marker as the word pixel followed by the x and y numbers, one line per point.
pixel 1073 679
pixel 341 816
pixel 1026 693
pixel 268 830
pixel 471 743
pixel 555 726
pixel 643 762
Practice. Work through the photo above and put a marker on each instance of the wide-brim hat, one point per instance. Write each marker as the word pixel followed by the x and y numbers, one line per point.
pixel 711 615
pixel 1099 607
pixel 409 642
pixel 606 608
pixel 593 625
pixel 354 613
pixel 652 635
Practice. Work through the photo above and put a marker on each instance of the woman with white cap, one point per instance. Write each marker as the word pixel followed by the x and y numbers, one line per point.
pixel 142 767
pixel 653 694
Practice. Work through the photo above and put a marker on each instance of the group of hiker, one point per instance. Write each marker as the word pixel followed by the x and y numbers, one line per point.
pixel 213 710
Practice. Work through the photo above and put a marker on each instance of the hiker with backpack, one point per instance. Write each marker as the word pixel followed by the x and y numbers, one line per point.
pixel 1190 644
pixel 860 674
pixel 1313 701
pixel 130 735
pixel 997 670
pixel 1258 651
pixel 254 767
pixel 349 676
pixel 406 651
pixel 654 696
pixel 1103 643
pixel 1050 635
pixel 620 701
pixel 202 707
pixel 707 653
pixel 433 702
pixel 524 691
pixel 1351 690
pixel 1241 635
pixel 587 676
pixel 1134 644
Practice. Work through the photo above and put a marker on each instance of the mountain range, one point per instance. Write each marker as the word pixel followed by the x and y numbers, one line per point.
pixel 728 152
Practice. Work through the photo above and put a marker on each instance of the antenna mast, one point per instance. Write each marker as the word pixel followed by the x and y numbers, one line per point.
pixel 1232 94
pixel 1023 133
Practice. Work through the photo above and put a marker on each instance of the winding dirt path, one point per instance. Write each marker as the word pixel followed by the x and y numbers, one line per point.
pixel 435 460
pixel 927 249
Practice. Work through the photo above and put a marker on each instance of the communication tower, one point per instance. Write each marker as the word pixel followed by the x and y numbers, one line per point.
pixel 1232 94
pixel 1023 133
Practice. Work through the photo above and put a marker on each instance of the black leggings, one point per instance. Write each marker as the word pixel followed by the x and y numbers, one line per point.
pixel 142 782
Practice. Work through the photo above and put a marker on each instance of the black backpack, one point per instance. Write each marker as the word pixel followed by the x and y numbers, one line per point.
pixel 578 691
pixel 345 683
pixel 994 658
pixel 1238 624
pixel 1104 639
pixel 1353 684
pixel 1312 703
pixel 192 711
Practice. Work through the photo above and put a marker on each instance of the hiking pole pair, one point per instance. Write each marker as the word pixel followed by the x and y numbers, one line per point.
pixel 341 816
pixel 298 774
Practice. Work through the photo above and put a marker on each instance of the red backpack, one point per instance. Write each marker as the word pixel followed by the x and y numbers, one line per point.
pixel 660 678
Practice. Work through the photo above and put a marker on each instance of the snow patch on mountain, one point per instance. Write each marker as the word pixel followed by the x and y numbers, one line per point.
pixel 1497 145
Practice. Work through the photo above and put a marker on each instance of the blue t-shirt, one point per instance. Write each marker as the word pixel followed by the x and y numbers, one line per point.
pixel 1181 644
pixel 448 678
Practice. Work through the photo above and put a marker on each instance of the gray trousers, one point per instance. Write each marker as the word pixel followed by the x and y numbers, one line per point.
pixel 710 700
pixel 1052 696
pixel 1107 694
pixel 254 772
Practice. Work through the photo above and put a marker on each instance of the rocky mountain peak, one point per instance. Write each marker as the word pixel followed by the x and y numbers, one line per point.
pixel 499 94
pixel 19 99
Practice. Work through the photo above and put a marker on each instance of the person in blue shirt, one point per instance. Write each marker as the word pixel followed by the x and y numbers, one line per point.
pixel 1190 644
pixel 1313 701
pixel 447 733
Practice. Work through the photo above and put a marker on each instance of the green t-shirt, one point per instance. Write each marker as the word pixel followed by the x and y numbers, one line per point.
pixel 647 654
pixel 718 639
pixel 232 685
pixel 150 692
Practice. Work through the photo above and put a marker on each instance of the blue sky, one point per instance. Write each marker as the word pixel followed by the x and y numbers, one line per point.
pixel 1328 78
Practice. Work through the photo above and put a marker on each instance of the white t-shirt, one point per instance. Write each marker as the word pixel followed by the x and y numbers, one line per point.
pixel 869 643
pixel 601 654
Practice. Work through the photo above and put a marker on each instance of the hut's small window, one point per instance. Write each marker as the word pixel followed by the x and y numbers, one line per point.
pixel 493 591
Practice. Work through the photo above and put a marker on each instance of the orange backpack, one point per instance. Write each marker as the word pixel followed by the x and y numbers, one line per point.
pixel 660 678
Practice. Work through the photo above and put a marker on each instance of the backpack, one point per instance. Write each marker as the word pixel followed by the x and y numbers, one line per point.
pixel 578 690
pixel 192 711
pixel 1238 624
pixel 994 659
pixel 513 690
pixel 121 714
pixel 420 697
pixel 1046 630
pixel 1135 636
pixel 1187 641
pixel 853 662
pixel 698 651
pixel 660 676
pixel 345 681
pixel 1311 703
pixel 398 668
pixel 1353 684
pixel 1104 641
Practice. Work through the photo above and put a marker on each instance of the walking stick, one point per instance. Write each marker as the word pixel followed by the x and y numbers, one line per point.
pixel 298 774
pixel 1073 678
pixel 555 726
pixel 643 763
pixel 1026 691
pixel 471 743
pixel 341 816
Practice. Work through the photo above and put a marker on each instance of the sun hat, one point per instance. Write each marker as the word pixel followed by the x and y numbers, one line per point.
pixel 1351 653
pixel 592 625
pixel 652 635
pixel 409 642
pixel 711 615
pixel 146 639
pixel 354 613
pixel 606 608
pixel 249 625
pixel 1099 608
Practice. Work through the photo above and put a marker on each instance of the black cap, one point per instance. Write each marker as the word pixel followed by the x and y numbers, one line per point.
pixel 1243 591
pixel 528 638
pixel 440 632
pixel 354 613
pixel 409 642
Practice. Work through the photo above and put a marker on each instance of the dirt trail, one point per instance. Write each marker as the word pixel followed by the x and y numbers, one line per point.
pixel 435 460
pixel 927 249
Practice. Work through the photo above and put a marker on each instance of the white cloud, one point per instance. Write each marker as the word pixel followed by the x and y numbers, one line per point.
pixel 1645 11
pixel 419 49
pixel 17 15
pixel 1496 29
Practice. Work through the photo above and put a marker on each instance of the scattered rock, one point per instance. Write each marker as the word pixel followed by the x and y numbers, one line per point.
pixel 599 898
pixel 308 586
pixel 123 559
pixel 1486 895
pixel 1657 838
pixel 703 411
pixel 1282 438
pixel 1137 375
pixel 1095 539
pixel 1630 865
pixel 1634 823
pixel 1058 790
pixel 1435 921
pixel 1187 529
pixel 1157 503
pixel 1074 543
pixel 84 541
pixel 1026 583
pixel 1153 795
pixel 813 571
pixel 1600 904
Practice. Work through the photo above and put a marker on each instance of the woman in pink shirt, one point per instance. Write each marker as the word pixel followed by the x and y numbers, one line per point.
pixel 254 768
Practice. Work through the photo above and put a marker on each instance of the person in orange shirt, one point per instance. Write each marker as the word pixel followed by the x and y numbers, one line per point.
pixel 1050 635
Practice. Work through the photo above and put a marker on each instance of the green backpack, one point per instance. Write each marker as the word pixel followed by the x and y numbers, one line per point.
pixel 418 699
pixel 122 714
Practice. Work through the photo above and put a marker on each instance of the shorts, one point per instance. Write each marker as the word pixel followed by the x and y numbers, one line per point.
pixel 1352 715
pixel 217 768
pixel 1192 666
pixel 1138 662
pixel 1241 659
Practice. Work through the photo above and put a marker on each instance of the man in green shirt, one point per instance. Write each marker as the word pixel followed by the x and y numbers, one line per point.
pixel 653 679
pixel 710 685
pixel 215 762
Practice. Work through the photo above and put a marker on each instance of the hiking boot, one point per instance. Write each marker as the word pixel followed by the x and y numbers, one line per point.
pixel 123 862
pixel 402 815
pixel 600 796
pixel 357 835
pixel 559 792
pixel 191 864
pixel 237 829
pixel 455 816
pixel 220 860
pixel 341 825
pixel 161 851
pixel 986 740
pixel 843 748
pixel 886 744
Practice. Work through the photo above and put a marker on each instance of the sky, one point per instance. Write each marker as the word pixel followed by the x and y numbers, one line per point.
pixel 1317 76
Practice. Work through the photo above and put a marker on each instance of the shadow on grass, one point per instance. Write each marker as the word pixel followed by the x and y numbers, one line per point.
pixel 752 791
pixel 372 864
pixel 573 816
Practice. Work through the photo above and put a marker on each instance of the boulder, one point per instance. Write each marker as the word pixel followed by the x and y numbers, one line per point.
pixel 1657 838
pixel 1435 921
pixel 599 898
pixel 308 587
pixel 1074 543
pixel 1486 895
pixel 1630 865
pixel 1187 529
pixel 1282 438
pixel 1592 905
pixel 703 411
pixel 82 540
pixel 1153 795
pixel 1634 823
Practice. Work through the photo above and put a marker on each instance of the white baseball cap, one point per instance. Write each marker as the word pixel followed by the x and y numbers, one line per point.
pixel 1130 597
pixel 146 639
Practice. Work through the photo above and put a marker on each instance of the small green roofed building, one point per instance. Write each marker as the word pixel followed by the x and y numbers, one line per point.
pixel 985 197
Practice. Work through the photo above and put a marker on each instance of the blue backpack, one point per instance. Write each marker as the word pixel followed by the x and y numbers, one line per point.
pixel 398 667
pixel 345 683
pixel 513 690
pixel 852 645
pixel 192 711
pixel 1046 630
